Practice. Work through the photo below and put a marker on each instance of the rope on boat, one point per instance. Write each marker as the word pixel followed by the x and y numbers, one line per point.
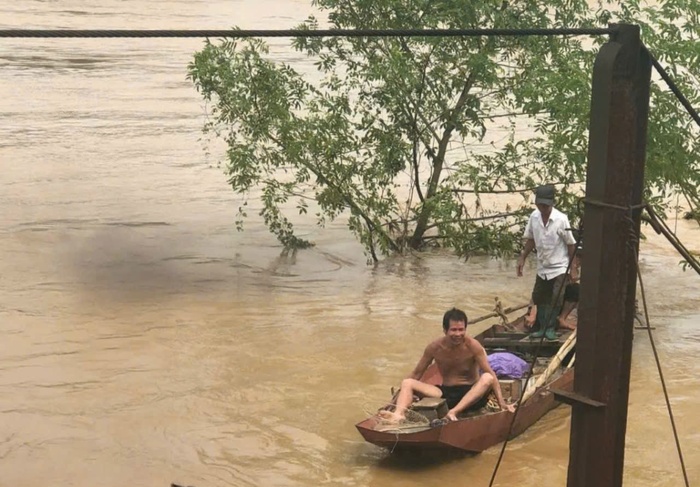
pixel 506 311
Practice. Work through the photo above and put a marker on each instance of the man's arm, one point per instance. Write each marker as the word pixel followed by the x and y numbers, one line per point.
pixel 423 363
pixel 483 362
pixel 529 246
pixel 568 236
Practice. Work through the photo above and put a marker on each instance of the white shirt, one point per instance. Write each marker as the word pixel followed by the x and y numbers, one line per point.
pixel 551 242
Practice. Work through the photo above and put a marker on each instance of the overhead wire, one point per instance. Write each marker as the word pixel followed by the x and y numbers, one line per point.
pixel 302 32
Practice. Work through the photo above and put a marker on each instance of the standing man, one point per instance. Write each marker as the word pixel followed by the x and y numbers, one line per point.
pixel 548 230
pixel 459 358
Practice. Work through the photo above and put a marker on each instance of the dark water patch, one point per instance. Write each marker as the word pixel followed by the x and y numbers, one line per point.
pixel 276 273
pixel 136 224
pixel 211 260
pixel 210 281
pixel 57 285
pixel 20 311
pixel 74 386
pixel 53 63
pixel 129 262
pixel 58 222
pixel 120 337
pixel 39 229
pixel 178 258
pixel 32 356
pixel 187 165
pixel 81 13
pixel 49 228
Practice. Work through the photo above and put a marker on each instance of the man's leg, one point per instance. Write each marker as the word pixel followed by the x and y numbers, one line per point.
pixel 566 310
pixel 547 317
pixel 531 316
pixel 478 390
pixel 571 296
pixel 536 300
pixel 409 387
pixel 542 298
pixel 554 306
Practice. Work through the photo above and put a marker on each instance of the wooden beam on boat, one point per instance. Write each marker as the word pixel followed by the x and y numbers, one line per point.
pixel 572 398
pixel 614 183
pixel 522 342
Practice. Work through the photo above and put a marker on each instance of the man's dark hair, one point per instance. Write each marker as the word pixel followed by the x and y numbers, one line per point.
pixel 453 314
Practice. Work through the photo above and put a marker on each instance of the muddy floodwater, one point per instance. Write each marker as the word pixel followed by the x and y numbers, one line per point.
pixel 145 341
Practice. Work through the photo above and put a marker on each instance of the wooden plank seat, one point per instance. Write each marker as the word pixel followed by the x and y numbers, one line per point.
pixel 431 407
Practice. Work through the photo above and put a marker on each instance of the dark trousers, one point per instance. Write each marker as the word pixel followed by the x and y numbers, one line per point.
pixel 548 296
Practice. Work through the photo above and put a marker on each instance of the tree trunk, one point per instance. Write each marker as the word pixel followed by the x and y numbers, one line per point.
pixel 426 211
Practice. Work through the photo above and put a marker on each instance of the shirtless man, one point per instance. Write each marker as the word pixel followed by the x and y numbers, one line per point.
pixel 459 358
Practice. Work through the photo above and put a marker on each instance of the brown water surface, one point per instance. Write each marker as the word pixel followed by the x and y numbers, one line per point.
pixel 145 341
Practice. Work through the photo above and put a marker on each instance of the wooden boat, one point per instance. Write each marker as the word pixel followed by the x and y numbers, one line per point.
pixel 483 429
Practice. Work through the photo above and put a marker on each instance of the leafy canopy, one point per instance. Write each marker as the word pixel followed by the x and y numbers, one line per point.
pixel 416 139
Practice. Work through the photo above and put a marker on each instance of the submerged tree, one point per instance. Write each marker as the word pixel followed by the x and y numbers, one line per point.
pixel 411 136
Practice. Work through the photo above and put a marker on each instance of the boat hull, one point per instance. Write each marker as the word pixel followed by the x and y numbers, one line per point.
pixel 473 434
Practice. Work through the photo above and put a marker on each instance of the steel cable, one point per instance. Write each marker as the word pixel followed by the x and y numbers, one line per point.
pixel 240 33
pixel 673 87
pixel 656 357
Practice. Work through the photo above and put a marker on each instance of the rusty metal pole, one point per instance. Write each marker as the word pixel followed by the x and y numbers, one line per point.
pixel 616 153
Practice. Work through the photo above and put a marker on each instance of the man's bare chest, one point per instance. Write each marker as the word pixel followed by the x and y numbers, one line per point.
pixel 454 359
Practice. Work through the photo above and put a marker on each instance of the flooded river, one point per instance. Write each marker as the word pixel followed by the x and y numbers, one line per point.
pixel 145 341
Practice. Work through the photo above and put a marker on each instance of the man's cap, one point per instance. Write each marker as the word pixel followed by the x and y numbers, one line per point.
pixel 544 195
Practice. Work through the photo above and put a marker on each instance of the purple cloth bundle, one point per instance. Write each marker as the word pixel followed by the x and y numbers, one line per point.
pixel 508 366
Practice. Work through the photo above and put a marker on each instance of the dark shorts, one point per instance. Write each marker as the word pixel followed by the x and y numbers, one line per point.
pixel 454 394
pixel 549 292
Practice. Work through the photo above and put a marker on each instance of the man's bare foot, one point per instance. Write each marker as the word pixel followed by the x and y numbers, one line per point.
pixel 566 324
pixel 391 416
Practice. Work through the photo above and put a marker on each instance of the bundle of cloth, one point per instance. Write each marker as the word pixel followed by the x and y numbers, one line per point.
pixel 508 366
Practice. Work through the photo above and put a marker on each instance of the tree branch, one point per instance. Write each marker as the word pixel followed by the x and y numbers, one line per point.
pixel 346 198
pixel 475 219
pixel 504 191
